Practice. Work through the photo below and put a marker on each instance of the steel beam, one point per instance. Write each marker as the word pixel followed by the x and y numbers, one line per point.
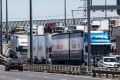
pixel 103 7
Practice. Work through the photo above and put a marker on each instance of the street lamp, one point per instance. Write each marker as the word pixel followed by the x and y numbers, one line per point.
pixel 31 41
pixel 7 35
pixel 65 12
pixel 1 27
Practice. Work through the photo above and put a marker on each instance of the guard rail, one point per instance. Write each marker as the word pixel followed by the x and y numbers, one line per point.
pixel 67 69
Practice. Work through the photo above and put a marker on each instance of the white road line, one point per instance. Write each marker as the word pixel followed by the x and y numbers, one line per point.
pixel 17 79
pixel 63 79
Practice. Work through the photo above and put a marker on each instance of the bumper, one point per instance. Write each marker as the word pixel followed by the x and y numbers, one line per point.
pixel 15 67
pixel 113 66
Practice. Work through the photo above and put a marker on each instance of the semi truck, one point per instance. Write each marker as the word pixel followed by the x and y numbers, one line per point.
pixel 19 45
pixel 100 44
pixel 67 48
pixel 39 49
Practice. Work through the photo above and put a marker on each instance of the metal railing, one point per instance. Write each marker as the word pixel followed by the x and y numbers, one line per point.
pixel 77 70
pixel 107 72
pixel 67 69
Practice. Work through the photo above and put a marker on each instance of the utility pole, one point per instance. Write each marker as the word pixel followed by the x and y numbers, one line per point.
pixel 89 37
pixel 1 49
pixel 7 27
pixel 31 34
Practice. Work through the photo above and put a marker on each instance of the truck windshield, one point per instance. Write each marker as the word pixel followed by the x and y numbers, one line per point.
pixel 110 60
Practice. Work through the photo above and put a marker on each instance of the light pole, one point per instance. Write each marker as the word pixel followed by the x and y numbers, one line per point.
pixel 1 27
pixel 89 3
pixel 65 13
pixel 31 38
pixel 7 27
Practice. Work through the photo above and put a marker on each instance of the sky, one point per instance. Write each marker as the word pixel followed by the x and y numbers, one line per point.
pixel 49 9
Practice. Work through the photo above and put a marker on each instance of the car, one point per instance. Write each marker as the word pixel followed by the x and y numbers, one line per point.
pixel 14 64
pixel 118 59
pixel 116 56
pixel 108 62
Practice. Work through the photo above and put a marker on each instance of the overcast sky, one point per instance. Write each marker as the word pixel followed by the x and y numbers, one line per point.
pixel 48 9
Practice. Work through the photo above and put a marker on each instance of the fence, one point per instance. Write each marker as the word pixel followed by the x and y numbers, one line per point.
pixel 67 69
pixel 107 72
pixel 77 70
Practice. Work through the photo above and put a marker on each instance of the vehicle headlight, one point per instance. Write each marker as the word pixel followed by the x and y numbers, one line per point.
pixel 107 64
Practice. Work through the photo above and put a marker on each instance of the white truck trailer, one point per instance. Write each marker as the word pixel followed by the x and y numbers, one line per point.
pixel 39 48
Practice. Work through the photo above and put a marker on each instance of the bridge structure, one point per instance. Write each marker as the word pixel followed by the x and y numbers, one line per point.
pixel 69 22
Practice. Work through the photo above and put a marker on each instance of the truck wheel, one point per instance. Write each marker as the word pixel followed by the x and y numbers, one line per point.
pixel 21 70
pixel 7 69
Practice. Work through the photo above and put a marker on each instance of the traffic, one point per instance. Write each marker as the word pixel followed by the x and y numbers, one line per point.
pixel 64 47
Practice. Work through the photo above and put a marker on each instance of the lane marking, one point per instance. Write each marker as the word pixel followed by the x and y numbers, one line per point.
pixel 17 79
pixel 63 79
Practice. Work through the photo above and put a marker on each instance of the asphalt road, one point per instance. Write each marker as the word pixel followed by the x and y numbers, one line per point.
pixel 16 75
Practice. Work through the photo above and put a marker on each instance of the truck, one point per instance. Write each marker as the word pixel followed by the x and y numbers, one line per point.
pixel 39 49
pixel 19 45
pixel 100 44
pixel 67 48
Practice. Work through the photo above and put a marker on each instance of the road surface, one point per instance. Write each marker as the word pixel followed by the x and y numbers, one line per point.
pixel 16 75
